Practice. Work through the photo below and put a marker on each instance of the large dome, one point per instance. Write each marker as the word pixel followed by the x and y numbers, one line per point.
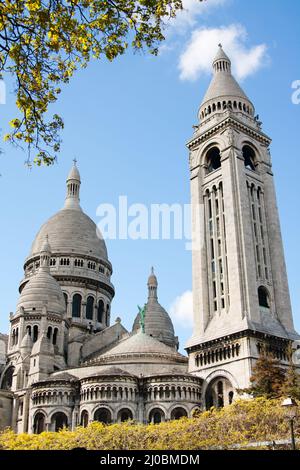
pixel 141 343
pixel 70 230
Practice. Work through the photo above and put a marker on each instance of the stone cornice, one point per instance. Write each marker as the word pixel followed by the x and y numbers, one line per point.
pixel 81 281
pixel 221 126
pixel 134 356
pixel 235 336
pixel 102 261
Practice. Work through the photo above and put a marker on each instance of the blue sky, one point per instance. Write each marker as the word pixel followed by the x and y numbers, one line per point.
pixel 127 123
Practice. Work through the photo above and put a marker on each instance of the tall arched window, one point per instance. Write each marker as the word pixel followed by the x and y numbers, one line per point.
pixel 249 157
pixel 7 378
pixel 213 159
pixel 66 299
pixel 55 333
pixel 220 394
pixel 39 423
pixel 49 332
pixel 35 333
pixel 107 315
pixel 100 311
pixel 89 311
pixel 263 297
pixel 76 306
pixel 84 421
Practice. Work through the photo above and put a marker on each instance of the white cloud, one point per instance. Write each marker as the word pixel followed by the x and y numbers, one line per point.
pixel 198 55
pixel 181 309
pixel 192 9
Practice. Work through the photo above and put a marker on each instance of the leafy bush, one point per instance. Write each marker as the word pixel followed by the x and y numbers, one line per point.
pixel 238 424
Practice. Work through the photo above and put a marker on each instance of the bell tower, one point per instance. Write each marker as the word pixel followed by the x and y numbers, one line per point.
pixel 240 290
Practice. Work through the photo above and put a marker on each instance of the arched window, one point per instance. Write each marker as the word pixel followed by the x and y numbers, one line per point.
pixel 103 415
pixel 66 299
pixel 107 315
pixel 249 157
pixel 49 332
pixel 7 378
pixel 213 159
pixel 76 306
pixel 124 415
pixel 59 420
pixel 178 413
pixel 39 423
pixel 89 311
pixel 156 416
pixel 55 333
pixel 35 333
pixel 263 297
pixel 220 394
pixel 28 329
pixel 84 420
pixel 100 311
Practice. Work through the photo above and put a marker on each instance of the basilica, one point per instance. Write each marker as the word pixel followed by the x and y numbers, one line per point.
pixel 66 363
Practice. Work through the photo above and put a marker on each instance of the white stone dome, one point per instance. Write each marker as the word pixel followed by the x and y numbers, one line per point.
pixel 158 323
pixel 42 290
pixel 224 86
pixel 141 344
pixel 71 231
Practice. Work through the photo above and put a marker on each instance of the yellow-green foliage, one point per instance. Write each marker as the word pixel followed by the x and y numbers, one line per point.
pixel 243 422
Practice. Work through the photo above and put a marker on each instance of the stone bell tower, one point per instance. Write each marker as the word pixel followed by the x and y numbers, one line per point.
pixel 240 290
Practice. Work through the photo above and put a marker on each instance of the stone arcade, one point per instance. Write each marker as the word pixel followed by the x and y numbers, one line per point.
pixel 64 364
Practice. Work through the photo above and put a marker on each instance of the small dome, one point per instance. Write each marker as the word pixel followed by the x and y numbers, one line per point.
pixel 158 323
pixel 74 173
pixel 223 84
pixel 141 343
pixel 221 55
pixel 152 279
pixel 71 230
pixel 61 377
pixel 42 290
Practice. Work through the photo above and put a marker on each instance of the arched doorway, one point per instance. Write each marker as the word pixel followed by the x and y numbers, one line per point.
pixel 156 416
pixel 103 415
pixel 84 420
pixel 219 393
pixel 7 378
pixel 125 415
pixel 59 421
pixel 178 413
pixel 39 423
